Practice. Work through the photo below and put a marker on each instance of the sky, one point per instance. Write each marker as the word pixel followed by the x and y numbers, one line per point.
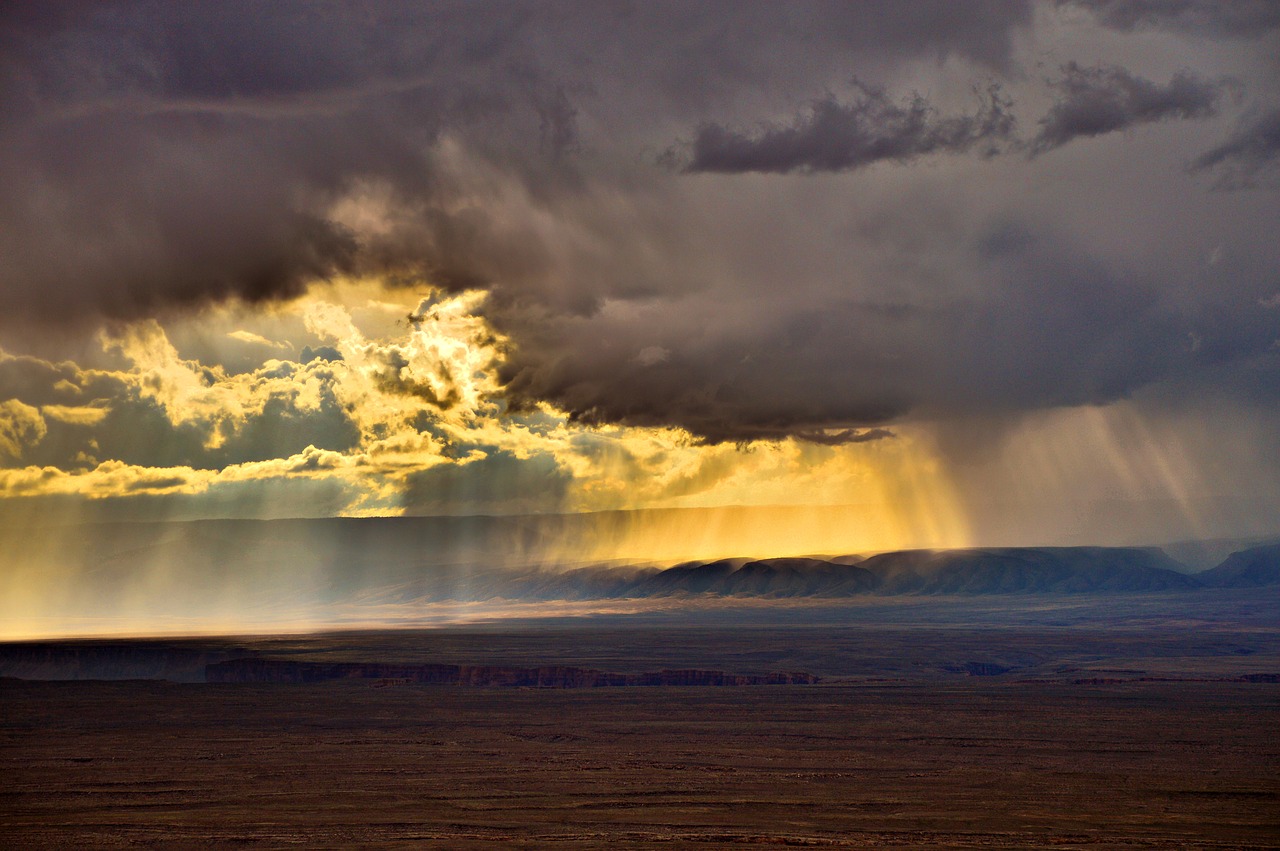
pixel 946 273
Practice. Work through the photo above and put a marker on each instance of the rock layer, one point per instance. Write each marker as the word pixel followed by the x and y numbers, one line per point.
pixel 284 671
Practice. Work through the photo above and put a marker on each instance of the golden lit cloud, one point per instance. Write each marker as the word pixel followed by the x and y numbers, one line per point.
pixel 75 415
pixel 256 339
pixel 392 405
pixel 21 426
pixel 108 479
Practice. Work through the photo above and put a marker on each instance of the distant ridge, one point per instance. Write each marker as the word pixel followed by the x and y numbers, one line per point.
pixel 1028 570
pixel 1008 570
pixel 775 577
pixel 1251 568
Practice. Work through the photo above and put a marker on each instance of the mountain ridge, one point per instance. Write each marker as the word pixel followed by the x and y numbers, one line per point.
pixel 1249 568
pixel 968 571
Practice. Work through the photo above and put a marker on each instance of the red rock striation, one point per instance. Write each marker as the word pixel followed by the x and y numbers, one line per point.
pixel 555 676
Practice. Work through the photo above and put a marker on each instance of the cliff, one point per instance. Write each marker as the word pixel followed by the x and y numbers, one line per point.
pixel 284 671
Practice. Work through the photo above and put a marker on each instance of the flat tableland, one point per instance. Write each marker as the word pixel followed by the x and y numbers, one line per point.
pixel 1089 737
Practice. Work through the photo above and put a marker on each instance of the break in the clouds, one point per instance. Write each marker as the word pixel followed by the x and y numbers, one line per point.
pixel 853 241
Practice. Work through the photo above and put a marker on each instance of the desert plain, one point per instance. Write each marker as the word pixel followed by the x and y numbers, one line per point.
pixel 939 723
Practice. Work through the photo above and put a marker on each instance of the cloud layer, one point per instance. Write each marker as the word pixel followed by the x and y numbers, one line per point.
pixel 850 239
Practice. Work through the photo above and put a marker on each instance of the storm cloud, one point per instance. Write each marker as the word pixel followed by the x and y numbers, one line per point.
pixel 872 128
pixel 157 154
pixel 1044 325
pixel 159 157
pixel 1213 18
pixel 1104 99
pixel 1250 155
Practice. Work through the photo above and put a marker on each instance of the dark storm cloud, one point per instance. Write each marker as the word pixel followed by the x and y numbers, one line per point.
pixel 1104 99
pixel 843 436
pixel 1218 18
pixel 1044 323
pixel 1249 156
pixel 872 128
pixel 158 153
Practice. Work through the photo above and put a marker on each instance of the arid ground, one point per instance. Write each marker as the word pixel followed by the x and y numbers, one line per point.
pixel 1092 737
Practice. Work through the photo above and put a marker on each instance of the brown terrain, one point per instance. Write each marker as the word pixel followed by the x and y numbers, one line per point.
pixel 1026 735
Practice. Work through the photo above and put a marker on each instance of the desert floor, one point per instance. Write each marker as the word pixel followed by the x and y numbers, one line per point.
pixel 1099 739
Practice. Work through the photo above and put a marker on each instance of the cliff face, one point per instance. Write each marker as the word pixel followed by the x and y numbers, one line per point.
pixel 1027 570
pixel 105 660
pixel 284 671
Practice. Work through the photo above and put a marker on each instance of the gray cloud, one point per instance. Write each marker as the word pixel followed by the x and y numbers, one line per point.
pixel 1046 325
pixel 156 155
pixel 1104 99
pixel 843 436
pixel 1249 156
pixel 327 353
pixel 1219 18
pixel 841 137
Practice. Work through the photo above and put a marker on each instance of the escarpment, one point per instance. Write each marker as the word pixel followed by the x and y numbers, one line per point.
pixel 552 676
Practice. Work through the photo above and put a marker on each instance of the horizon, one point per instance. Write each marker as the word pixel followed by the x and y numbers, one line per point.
pixel 300 575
